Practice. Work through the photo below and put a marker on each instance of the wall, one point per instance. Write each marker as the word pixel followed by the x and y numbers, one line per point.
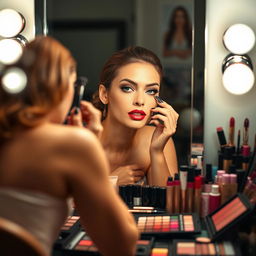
pixel 219 104
pixel 26 8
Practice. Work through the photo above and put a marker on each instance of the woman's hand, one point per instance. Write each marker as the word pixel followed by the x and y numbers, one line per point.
pixel 87 116
pixel 165 119
pixel 128 174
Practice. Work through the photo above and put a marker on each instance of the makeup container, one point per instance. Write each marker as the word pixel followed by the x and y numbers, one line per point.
pixel 190 191
pixel 245 157
pixel 227 157
pixel 177 193
pixel 191 247
pixel 70 228
pixel 197 194
pixel 183 182
pixel 137 195
pixel 146 191
pixel 214 198
pixel 229 216
pixel 207 187
pixel 168 225
pixel 161 198
pixel 224 185
pixel 161 248
pixel 204 204
pixel 83 245
pixel 169 195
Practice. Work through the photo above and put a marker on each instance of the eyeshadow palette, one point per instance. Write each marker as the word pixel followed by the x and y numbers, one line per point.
pixel 161 248
pixel 85 246
pixel 190 247
pixel 68 231
pixel 164 225
pixel 228 216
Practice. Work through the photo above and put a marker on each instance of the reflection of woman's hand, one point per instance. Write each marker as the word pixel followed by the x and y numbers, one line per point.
pixel 165 120
pixel 128 174
pixel 88 115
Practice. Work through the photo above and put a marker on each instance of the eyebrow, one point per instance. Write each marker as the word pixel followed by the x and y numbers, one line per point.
pixel 135 84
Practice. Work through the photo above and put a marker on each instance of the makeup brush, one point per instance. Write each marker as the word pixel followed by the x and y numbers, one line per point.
pixel 231 131
pixel 246 131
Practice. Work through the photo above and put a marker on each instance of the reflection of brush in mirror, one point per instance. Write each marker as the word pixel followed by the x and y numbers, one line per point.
pixel 79 90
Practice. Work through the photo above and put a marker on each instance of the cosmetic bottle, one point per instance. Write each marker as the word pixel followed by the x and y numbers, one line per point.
pixel 161 196
pixel 183 185
pixel 224 186
pixel 190 191
pixel 245 157
pixel 208 181
pixel 197 194
pixel 200 163
pixel 227 157
pixel 204 204
pixel 177 194
pixel 240 178
pixel 233 184
pixel 146 194
pixel 170 195
pixel 214 198
pixel 137 195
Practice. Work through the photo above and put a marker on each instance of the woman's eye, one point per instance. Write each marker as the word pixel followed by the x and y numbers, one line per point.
pixel 152 91
pixel 126 89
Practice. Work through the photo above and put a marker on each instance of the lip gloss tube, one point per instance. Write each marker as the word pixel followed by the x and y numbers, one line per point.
pixel 224 188
pixel 204 204
pixel 233 184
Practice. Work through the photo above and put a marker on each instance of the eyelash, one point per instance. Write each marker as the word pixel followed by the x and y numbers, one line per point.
pixel 126 89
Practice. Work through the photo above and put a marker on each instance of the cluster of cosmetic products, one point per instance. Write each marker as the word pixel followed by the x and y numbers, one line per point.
pixel 187 192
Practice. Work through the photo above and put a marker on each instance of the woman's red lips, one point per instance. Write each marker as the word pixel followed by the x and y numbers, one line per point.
pixel 137 114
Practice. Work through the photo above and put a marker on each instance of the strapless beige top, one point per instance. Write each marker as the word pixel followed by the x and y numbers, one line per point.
pixel 40 214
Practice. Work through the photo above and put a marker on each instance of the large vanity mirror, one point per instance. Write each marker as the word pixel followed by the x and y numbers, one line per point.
pixel 173 29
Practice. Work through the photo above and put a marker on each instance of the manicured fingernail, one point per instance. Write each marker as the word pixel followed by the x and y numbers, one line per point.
pixel 158 99
pixel 76 111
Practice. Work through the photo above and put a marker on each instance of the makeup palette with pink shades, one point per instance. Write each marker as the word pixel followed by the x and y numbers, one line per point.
pixel 219 223
pixel 165 225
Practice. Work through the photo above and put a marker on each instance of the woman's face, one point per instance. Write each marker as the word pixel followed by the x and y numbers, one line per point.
pixel 180 18
pixel 131 94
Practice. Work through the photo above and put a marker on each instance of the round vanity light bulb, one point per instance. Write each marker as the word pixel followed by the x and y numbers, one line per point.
pixel 10 51
pixel 11 23
pixel 14 80
pixel 238 78
pixel 239 39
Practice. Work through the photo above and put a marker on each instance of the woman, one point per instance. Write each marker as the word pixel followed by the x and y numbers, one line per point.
pixel 43 163
pixel 178 38
pixel 137 125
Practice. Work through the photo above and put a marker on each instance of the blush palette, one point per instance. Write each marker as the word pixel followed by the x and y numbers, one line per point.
pixel 190 247
pixel 168 225
pixel 228 216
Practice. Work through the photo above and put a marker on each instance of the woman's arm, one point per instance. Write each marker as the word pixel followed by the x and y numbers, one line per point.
pixel 103 214
pixel 162 150
pixel 163 164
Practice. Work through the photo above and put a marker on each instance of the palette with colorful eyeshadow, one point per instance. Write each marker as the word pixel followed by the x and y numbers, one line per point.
pixel 85 246
pixel 162 248
pixel 220 222
pixel 68 231
pixel 164 225
pixel 191 247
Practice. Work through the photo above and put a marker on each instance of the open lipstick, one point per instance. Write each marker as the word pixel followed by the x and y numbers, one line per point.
pixel 246 131
pixel 231 131
pixel 137 115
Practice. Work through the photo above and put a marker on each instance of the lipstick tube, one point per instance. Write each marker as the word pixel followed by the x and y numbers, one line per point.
pixel 221 136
